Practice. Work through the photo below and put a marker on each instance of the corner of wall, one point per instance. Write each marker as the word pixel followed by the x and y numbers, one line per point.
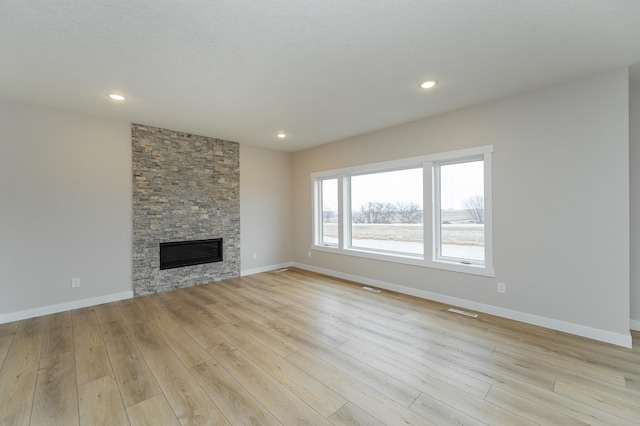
pixel 634 178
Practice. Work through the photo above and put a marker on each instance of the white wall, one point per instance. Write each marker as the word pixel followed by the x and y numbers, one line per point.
pixel 561 204
pixel 561 161
pixel 65 209
pixel 265 209
pixel 634 142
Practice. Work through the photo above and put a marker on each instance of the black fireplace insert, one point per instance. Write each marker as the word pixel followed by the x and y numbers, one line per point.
pixel 187 253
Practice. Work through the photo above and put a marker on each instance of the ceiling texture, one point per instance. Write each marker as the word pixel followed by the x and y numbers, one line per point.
pixel 323 70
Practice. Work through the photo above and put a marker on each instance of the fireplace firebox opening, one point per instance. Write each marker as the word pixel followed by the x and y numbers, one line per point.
pixel 188 253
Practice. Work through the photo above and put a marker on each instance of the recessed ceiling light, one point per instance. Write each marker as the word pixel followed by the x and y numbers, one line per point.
pixel 281 135
pixel 117 97
pixel 428 84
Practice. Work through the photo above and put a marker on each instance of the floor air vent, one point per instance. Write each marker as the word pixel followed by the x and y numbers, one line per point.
pixel 465 313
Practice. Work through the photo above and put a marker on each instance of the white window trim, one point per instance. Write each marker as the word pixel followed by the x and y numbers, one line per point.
pixel 318 216
pixel 429 259
pixel 437 219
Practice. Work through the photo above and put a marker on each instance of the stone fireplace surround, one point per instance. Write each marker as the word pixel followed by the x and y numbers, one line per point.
pixel 185 187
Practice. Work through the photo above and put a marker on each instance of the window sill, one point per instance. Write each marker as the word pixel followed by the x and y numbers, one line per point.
pixel 409 260
pixel 460 267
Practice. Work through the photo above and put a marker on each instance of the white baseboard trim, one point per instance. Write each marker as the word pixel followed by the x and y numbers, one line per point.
pixel 244 273
pixel 635 325
pixel 567 327
pixel 61 307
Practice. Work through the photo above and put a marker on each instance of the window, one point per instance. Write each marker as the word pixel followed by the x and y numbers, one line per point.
pixel 459 204
pixel 329 222
pixel 431 211
pixel 386 211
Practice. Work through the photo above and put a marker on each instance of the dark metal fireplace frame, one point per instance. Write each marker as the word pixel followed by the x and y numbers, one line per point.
pixel 188 253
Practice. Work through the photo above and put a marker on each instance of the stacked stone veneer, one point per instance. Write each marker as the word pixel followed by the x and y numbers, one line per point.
pixel 185 187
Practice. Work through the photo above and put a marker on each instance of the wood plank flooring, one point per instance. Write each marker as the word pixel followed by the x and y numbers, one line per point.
pixel 297 348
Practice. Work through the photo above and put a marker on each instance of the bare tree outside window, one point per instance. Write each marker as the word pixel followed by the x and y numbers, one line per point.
pixel 384 206
pixel 460 198
pixel 329 215
pixel 408 212
pixel 475 206
pixel 375 212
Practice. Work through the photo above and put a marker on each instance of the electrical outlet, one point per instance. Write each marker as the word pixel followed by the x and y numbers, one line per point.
pixel 309 253
pixel 255 256
pixel 502 288
pixel 75 282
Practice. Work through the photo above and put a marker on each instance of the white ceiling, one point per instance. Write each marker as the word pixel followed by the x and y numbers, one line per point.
pixel 322 70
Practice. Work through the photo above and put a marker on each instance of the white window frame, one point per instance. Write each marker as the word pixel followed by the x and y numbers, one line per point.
pixel 318 217
pixel 348 243
pixel 430 165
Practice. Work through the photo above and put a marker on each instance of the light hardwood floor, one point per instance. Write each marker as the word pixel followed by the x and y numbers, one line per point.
pixel 289 348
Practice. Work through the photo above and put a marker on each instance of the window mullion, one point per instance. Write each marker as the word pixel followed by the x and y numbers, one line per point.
pixel 436 219
pixel 427 210
pixel 344 211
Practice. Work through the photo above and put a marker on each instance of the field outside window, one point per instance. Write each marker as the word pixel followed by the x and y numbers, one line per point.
pixel 386 211
pixel 461 204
